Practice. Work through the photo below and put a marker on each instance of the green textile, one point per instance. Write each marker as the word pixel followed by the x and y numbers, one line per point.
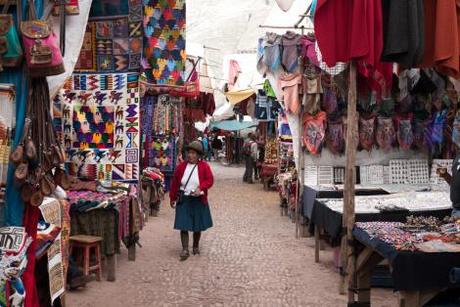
pixel 269 89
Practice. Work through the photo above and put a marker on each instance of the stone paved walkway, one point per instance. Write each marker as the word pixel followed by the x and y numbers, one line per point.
pixel 249 258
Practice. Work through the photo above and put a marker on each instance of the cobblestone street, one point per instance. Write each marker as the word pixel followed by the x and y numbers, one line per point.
pixel 249 258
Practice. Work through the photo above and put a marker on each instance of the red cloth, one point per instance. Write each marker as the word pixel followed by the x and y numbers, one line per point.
pixel 30 223
pixel 349 30
pixel 204 174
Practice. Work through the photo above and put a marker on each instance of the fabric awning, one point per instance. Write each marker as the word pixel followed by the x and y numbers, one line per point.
pixel 235 97
pixel 232 125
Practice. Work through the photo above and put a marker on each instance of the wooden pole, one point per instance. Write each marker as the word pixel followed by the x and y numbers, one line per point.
pixel 348 263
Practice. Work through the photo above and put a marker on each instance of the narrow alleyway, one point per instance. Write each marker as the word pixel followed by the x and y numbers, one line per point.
pixel 249 258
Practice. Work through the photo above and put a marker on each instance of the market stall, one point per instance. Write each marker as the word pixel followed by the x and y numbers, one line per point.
pixel 421 253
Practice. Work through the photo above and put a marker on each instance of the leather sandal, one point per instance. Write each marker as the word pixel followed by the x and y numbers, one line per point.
pixel 196 251
pixel 184 255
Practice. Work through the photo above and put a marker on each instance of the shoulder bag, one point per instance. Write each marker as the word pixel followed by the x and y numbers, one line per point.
pixel 181 193
pixel 42 50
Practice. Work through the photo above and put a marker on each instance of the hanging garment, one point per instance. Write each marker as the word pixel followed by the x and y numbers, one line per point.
pixel 290 51
pixel 349 30
pixel 385 134
pixel 405 134
pixel 314 132
pixel 421 133
pixel 335 140
pixel 269 89
pixel 308 50
pixel 233 72
pixel 272 52
pixel 456 130
pixel 403 28
pixel 289 84
pixel 442 36
pixel 329 103
pixel 437 128
pixel 367 132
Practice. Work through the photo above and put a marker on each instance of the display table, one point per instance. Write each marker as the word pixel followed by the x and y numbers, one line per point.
pixel 418 276
pixel 326 215
pixel 113 217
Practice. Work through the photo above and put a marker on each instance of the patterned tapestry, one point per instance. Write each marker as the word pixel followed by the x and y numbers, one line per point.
pixel 97 117
pixel 113 38
pixel 164 41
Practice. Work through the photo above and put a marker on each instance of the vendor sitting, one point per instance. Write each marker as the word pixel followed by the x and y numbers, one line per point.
pixel 454 182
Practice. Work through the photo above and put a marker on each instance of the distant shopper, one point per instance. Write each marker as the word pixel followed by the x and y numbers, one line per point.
pixel 189 196
pixel 205 142
pixel 217 146
pixel 251 153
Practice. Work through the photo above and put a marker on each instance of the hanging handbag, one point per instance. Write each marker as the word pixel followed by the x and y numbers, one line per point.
pixel 72 7
pixel 10 47
pixel 41 47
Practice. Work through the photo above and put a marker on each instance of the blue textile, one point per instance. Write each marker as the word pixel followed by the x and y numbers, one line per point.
pixel 14 209
pixel 192 215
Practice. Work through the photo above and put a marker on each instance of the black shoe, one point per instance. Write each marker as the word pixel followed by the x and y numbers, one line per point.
pixel 184 255
pixel 196 251
pixel 80 281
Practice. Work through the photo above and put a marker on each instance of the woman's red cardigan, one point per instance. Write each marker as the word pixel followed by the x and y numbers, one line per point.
pixel 204 174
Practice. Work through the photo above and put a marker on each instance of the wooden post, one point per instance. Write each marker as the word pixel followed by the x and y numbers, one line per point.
pixel 348 266
pixel 132 252
pixel 111 267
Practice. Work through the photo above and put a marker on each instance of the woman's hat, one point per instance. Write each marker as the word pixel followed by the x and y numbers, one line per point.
pixel 196 146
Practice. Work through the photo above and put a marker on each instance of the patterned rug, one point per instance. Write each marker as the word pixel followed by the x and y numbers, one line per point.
pixel 164 41
pixel 97 118
pixel 113 38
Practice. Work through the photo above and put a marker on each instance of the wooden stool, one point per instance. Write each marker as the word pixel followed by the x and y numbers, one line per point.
pixel 86 243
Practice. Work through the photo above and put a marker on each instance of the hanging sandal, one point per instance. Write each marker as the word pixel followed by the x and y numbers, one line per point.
pixel 184 255
pixel 196 251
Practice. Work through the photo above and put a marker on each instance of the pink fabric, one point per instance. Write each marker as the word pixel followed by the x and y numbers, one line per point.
pixel 308 50
pixel 233 72
pixel 290 83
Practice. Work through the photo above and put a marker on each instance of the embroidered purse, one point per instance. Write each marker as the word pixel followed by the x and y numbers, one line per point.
pixel 43 55
pixel 10 48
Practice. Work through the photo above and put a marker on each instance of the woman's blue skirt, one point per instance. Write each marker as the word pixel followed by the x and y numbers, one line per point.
pixel 192 215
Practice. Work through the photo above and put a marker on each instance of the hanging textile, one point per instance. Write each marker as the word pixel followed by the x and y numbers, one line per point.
pixel 442 36
pixel 113 38
pixel 349 30
pixel 164 42
pixel 97 118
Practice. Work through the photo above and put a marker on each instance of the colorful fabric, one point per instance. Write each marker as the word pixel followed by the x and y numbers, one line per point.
pixel 366 132
pixel 314 132
pixel 162 153
pixel 385 134
pixel 164 42
pixel 167 115
pixel 97 119
pixel 113 38
pixel 405 134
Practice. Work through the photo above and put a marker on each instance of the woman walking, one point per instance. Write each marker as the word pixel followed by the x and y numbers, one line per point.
pixel 189 195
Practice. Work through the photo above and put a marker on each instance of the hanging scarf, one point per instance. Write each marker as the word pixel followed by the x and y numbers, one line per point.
pixel 367 132
pixel 314 131
pixel 405 134
pixel 385 134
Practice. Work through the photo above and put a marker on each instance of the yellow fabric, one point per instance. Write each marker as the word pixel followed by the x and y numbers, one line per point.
pixel 235 97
